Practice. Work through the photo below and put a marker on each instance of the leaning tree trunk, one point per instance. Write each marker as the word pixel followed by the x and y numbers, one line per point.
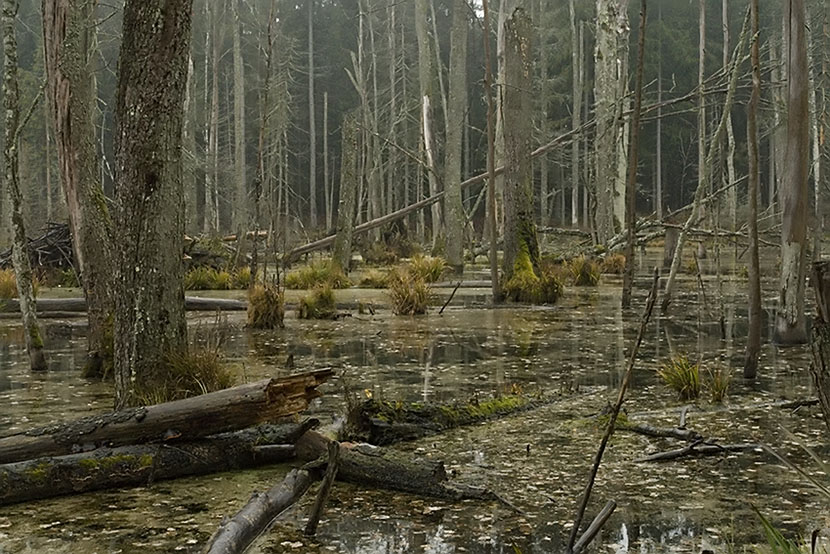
pixel 71 90
pixel 342 254
pixel 453 208
pixel 20 255
pixel 520 244
pixel 790 323
pixel 753 341
pixel 149 311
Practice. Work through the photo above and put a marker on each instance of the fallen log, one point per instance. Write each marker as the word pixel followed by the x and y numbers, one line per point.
pixel 697 449
pixel 382 422
pixel 136 465
pixel 237 533
pixel 648 430
pixel 217 412
pixel 78 305
pixel 374 467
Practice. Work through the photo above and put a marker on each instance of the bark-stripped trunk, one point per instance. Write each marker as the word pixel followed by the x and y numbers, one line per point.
pixel 149 311
pixel 731 175
pixel 753 341
pixel 631 185
pixel 453 209
pixel 491 153
pixel 240 208
pixel 212 128
pixel 71 95
pixel 576 113
pixel 327 192
pixel 519 226
pixel 20 255
pixel 612 34
pixel 312 126
pixel 425 75
pixel 191 220
pixel 790 323
pixel 349 150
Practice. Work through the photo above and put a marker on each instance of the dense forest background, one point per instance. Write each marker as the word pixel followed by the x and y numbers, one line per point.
pixel 363 57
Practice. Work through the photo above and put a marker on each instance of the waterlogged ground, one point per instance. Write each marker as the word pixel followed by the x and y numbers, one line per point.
pixel 538 461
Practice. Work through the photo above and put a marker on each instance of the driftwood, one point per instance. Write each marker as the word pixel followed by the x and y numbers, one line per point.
pixel 237 533
pixel 380 422
pixel 217 412
pixel 648 430
pixel 820 340
pixel 332 463
pixel 369 466
pixel 78 305
pixel 697 448
pixel 135 465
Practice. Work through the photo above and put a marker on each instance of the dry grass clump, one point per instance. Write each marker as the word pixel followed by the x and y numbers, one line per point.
pixel 320 272
pixel 584 272
pixel 374 279
pixel 613 264
pixel 428 268
pixel 207 278
pixel 319 304
pixel 408 291
pixel 186 374
pixel 717 383
pixel 266 307
pixel 242 278
pixel 8 284
pixel 682 376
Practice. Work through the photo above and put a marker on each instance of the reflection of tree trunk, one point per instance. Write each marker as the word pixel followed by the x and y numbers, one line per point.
pixel 149 311
pixel 71 95
pixel 20 256
pixel 520 244
pixel 790 327
pixel 453 208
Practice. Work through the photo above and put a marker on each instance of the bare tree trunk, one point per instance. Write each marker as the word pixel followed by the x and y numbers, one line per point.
pixel 71 95
pixel 520 243
pixel 312 126
pixel 149 311
pixel 658 193
pixel 790 324
pixel 191 223
pixel 240 207
pixel 631 185
pixel 702 170
pixel 20 254
pixel 349 150
pixel 732 191
pixel 753 341
pixel 491 153
pixel 326 184
pixel 576 113
pixel 453 208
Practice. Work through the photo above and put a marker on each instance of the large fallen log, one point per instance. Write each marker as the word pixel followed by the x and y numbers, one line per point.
pixel 382 422
pixel 234 535
pixel 217 412
pixel 78 305
pixel 374 467
pixel 136 465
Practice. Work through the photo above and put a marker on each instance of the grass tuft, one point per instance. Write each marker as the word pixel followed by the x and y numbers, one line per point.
pixel 682 376
pixel 718 381
pixel 318 304
pixel 187 374
pixel 266 307
pixel 320 272
pixel 613 264
pixel 242 278
pixel 428 268
pixel 374 279
pixel 408 291
pixel 584 272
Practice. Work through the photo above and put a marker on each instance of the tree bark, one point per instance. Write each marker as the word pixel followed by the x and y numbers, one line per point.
pixel 191 418
pixel 342 254
pixel 631 185
pixel 753 341
pixel 520 242
pixel 71 91
pixel 135 465
pixel 790 322
pixel 453 208
pixel 13 123
pixel 240 208
pixel 576 115
pixel 491 155
pixel 820 368
pixel 149 311
pixel 312 126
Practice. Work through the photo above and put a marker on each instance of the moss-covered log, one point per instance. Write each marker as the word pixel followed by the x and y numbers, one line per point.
pixel 200 416
pixel 381 422
pixel 376 467
pixel 107 468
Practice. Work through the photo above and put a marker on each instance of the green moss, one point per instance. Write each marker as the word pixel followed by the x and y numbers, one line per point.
pixel 525 285
pixel 38 473
pixel 34 335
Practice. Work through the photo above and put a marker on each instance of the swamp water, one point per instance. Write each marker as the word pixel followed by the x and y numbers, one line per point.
pixel 537 460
